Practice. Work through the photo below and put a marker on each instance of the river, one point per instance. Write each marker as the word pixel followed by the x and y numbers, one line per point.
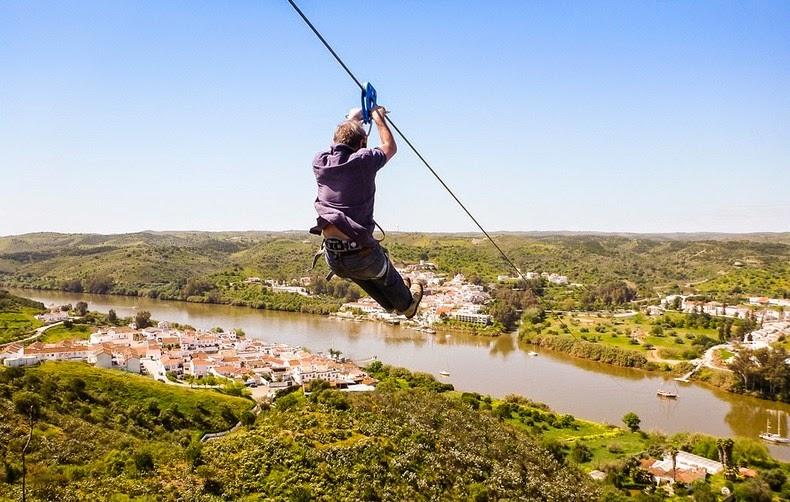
pixel 498 366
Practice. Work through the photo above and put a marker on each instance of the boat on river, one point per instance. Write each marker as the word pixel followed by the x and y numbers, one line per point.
pixel 533 354
pixel 444 373
pixel 665 393
pixel 774 437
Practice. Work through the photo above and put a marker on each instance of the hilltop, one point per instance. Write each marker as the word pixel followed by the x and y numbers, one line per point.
pixel 210 266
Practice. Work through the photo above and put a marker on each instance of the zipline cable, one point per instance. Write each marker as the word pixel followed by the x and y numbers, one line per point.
pixel 419 155
pixel 403 136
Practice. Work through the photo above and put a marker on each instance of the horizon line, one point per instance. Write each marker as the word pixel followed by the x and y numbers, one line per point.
pixel 397 232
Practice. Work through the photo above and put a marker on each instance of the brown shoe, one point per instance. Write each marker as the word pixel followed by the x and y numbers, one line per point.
pixel 416 297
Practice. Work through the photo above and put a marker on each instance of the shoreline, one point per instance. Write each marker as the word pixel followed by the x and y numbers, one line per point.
pixel 233 303
pixel 723 385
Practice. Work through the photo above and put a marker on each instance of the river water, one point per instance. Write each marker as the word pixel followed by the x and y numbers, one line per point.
pixel 498 366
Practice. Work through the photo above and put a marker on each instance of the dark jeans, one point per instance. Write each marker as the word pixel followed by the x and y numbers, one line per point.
pixel 373 271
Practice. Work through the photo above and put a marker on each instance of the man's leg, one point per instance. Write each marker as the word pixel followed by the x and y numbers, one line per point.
pixel 374 273
pixel 374 292
pixel 391 286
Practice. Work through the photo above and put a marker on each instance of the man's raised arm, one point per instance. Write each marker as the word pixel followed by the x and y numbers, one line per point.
pixel 387 141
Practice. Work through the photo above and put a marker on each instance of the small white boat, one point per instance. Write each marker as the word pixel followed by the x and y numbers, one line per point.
pixel 533 354
pixel 444 373
pixel 667 394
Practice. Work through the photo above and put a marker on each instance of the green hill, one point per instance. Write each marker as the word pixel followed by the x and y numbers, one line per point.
pixel 162 264
pixel 104 434
pixel 17 316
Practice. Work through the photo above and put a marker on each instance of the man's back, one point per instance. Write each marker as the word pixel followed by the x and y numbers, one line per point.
pixel 346 189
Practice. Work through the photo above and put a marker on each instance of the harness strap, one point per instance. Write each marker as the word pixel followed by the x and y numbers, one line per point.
pixel 321 252
pixel 383 233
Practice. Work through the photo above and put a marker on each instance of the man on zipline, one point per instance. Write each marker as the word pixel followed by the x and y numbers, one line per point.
pixel 346 177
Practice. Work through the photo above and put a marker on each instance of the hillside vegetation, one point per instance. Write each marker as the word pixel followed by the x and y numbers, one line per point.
pixel 102 434
pixel 17 316
pixel 211 267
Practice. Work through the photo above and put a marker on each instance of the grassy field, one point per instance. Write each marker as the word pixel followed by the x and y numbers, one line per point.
pixel 621 332
pixel 17 317
pixel 619 445
pixel 60 333
pixel 16 325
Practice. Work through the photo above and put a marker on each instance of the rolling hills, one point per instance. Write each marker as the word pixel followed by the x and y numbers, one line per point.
pixel 162 263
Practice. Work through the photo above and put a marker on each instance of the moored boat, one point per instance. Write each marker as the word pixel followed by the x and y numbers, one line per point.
pixel 774 438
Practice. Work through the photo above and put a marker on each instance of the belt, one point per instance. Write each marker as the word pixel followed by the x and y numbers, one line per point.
pixel 338 247
pixel 341 246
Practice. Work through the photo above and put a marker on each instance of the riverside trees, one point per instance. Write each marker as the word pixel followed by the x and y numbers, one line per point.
pixel 764 371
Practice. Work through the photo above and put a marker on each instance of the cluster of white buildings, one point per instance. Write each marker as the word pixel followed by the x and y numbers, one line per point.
pixel 560 280
pixel 160 351
pixel 453 299
pixel 760 309
pixel 55 314
pixel 768 334
pixel 282 287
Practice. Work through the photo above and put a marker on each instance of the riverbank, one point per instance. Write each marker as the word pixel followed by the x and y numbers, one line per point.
pixel 252 296
pixel 613 356
pixel 675 342
pixel 494 366
pixel 468 329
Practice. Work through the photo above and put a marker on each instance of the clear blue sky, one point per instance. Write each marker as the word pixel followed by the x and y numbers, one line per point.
pixel 610 116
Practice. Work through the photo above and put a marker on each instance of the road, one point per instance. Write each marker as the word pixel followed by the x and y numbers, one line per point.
pixel 40 331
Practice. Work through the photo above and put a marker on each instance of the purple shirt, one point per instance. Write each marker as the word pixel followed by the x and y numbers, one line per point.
pixel 346 190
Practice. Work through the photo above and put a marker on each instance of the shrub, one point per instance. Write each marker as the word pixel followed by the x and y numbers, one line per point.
pixel 775 479
pixel 581 453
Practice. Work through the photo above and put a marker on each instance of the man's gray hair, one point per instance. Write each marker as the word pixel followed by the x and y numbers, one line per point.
pixel 351 133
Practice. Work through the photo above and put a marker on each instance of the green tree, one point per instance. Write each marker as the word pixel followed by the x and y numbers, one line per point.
pixel 754 490
pixel 142 319
pixel 100 284
pixel 28 404
pixel 632 421
pixel 81 308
